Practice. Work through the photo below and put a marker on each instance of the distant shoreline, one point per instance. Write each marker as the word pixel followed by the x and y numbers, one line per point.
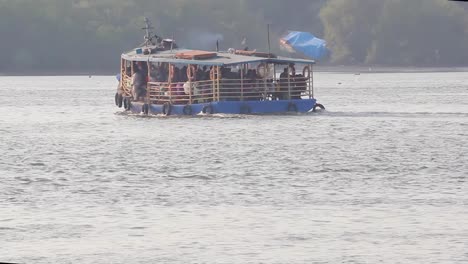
pixel 59 73
pixel 317 68
pixel 386 69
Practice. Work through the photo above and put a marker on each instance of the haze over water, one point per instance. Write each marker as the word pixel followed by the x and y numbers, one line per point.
pixel 380 177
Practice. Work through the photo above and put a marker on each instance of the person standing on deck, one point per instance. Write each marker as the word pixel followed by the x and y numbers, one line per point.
pixel 138 83
pixel 283 85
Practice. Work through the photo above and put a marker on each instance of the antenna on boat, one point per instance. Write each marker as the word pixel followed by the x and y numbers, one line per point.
pixel 269 43
pixel 217 45
pixel 172 42
pixel 148 37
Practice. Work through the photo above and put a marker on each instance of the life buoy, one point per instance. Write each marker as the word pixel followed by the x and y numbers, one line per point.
pixel 318 106
pixel 191 73
pixel 245 109
pixel 167 109
pixel 188 110
pixel 292 107
pixel 306 72
pixel 208 109
pixel 213 74
pixel 171 73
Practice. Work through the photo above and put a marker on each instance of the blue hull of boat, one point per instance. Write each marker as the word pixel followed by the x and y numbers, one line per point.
pixel 234 107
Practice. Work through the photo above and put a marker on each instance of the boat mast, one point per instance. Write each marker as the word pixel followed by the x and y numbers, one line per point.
pixel 148 37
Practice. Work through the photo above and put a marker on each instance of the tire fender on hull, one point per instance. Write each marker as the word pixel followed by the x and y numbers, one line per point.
pixel 167 109
pixel 292 107
pixel 145 109
pixel 318 106
pixel 208 109
pixel 127 104
pixel 188 110
pixel 245 109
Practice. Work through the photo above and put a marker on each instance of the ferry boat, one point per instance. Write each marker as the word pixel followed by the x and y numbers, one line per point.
pixel 159 78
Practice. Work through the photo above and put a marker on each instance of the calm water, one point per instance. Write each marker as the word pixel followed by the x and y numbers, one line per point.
pixel 381 177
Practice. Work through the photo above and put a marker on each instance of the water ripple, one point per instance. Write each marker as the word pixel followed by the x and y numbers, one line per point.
pixel 370 180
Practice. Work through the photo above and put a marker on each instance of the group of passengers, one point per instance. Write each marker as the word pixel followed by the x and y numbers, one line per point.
pixel 256 87
pixel 173 74
pixel 175 82
pixel 139 80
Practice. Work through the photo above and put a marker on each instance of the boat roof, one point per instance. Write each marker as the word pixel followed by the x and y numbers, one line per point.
pixel 220 58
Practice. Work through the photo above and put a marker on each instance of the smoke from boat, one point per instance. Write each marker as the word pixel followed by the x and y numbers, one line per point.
pixel 203 40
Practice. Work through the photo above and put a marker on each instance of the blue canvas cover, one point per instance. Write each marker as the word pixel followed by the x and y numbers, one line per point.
pixel 305 43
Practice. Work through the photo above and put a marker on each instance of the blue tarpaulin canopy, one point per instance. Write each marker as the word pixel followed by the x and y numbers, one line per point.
pixel 305 43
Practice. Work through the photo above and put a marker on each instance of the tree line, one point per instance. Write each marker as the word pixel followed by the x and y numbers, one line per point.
pixel 89 35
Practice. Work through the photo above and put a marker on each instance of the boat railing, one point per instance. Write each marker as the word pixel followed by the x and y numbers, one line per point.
pixel 263 90
pixel 181 93
pixel 126 85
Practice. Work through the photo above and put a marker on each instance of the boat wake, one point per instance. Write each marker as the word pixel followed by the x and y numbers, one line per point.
pixel 322 113
pixel 199 116
pixel 396 114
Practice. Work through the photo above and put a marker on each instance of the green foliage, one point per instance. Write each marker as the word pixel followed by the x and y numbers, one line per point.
pixel 89 35
pixel 396 32
pixel 420 32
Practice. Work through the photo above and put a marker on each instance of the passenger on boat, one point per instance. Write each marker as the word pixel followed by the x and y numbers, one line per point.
pixel 153 73
pixel 183 77
pixel 191 88
pixel 206 74
pixel 173 74
pixel 251 89
pixel 283 85
pixel 282 94
pixel 229 90
pixel 270 89
pixel 300 86
pixel 120 89
pixel 138 83
pixel 164 72
pixel 128 70
pixel 200 73
pixel 284 74
pixel 142 67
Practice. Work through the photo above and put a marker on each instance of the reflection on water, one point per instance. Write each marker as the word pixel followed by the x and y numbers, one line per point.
pixel 380 177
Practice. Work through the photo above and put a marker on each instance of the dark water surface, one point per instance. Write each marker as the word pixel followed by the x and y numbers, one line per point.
pixel 381 177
